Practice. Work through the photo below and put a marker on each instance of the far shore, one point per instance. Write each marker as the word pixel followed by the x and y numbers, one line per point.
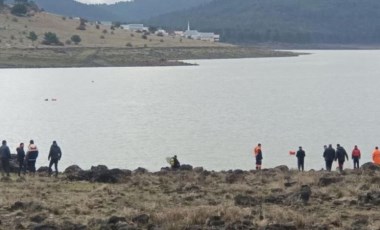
pixel 61 57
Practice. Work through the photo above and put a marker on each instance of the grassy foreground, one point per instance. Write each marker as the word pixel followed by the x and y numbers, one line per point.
pixel 197 199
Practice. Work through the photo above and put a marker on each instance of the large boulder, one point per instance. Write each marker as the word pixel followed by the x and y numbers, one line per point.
pixel 73 169
pixel 305 193
pixel 282 168
pixel 186 168
pixel 370 166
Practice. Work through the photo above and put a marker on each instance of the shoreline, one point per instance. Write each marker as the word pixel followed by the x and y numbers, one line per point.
pixel 58 57
pixel 189 199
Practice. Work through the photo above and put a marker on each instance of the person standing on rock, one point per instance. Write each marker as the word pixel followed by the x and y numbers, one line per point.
pixel 259 156
pixel 175 163
pixel 356 156
pixel 329 155
pixel 20 158
pixel 376 156
pixel 5 156
pixel 301 158
pixel 341 155
pixel 31 157
pixel 55 155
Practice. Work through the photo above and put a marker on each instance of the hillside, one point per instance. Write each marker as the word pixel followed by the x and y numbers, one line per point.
pixel 283 21
pixel 15 30
pixel 123 11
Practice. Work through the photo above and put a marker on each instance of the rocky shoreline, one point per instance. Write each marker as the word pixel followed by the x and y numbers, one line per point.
pixel 192 198
pixel 58 57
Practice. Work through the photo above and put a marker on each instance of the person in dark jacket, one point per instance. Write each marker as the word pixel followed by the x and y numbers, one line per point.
pixel 20 158
pixel 31 157
pixel 329 155
pixel 301 158
pixel 356 156
pixel 55 155
pixel 341 155
pixel 5 156
pixel 175 163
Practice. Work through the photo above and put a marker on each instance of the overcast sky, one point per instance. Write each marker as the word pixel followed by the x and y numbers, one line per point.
pixel 100 1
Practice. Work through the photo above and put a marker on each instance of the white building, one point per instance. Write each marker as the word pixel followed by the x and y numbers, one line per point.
pixel 135 27
pixel 161 32
pixel 196 35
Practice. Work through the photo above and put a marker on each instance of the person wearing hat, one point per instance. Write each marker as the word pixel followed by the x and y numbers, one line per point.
pixel 55 155
pixel 301 157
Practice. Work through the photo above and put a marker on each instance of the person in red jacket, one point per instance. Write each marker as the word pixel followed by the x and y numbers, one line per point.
pixel 356 156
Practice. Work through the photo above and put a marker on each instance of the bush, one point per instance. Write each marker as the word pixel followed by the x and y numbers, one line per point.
pixel 104 31
pixel 64 18
pixel 97 26
pixel 102 37
pixel 132 35
pixel 144 36
pixel 19 9
pixel 128 44
pixel 76 39
pixel 82 24
pixel 32 36
pixel 51 39
pixel 14 20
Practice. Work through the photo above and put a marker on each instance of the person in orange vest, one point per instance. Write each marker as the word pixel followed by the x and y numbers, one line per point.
pixel 376 156
pixel 356 156
pixel 259 156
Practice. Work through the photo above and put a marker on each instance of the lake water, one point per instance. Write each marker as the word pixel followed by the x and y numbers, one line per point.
pixel 210 115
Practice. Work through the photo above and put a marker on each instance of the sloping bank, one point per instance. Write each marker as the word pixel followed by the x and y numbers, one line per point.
pixel 192 198
pixel 113 57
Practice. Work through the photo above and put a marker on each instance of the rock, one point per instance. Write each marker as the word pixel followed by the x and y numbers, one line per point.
pixel 326 180
pixel 43 169
pixel 45 227
pixel 275 199
pixel 245 201
pixel 372 198
pixel 289 184
pixel 141 219
pixel 198 169
pixel 72 169
pixel 370 166
pixel 140 170
pixel 5 179
pixel 99 168
pixel 305 193
pixel 281 227
pixel 186 168
pixel 18 205
pixel 165 169
pixel 282 168
pixel 214 221
pixel 38 218
pixel 67 225
pixel 360 222
pixel 116 219
pixel 233 178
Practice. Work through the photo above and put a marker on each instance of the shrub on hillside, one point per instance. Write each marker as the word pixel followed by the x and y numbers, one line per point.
pixel 19 10
pixel 82 24
pixel 32 36
pixel 97 26
pixel 76 39
pixel 51 39
pixel 128 44
pixel 144 36
pixel 104 31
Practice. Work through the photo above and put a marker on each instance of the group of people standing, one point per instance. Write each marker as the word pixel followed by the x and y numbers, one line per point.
pixel 27 160
pixel 330 155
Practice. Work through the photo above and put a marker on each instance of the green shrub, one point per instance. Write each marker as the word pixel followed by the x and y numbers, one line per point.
pixel 19 9
pixel 51 39
pixel 32 36
pixel 76 39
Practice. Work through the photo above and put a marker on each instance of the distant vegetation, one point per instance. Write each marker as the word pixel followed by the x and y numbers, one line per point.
pixel 283 21
pixel 76 39
pixel 123 11
pixel 51 39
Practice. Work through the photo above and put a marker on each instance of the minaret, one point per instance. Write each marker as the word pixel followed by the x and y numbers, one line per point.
pixel 188 26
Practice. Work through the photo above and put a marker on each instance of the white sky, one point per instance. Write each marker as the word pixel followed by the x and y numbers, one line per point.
pixel 100 1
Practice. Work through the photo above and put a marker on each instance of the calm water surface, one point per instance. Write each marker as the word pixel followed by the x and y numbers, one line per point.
pixel 210 115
